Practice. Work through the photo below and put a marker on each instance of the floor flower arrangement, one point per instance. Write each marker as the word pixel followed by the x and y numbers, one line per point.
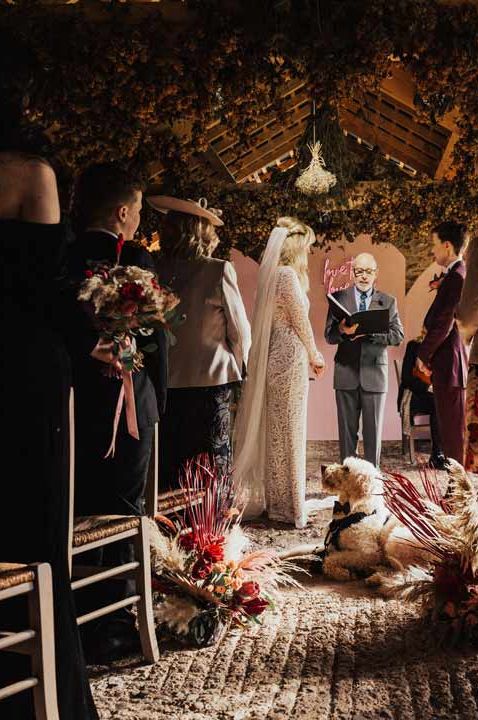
pixel 205 577
pixel 446 525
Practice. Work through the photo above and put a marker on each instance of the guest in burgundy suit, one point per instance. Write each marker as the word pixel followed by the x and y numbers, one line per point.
pixel 442 351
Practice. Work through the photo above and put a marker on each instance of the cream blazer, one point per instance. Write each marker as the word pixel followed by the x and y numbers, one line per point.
pixel 213 343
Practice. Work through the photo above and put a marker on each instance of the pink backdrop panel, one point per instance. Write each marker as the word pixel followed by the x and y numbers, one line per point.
pixel 332 270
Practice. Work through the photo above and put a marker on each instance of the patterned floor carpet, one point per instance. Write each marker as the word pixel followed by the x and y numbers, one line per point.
pixel 332 652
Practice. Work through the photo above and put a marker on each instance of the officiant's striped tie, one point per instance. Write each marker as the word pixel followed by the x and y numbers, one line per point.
pixel 363 304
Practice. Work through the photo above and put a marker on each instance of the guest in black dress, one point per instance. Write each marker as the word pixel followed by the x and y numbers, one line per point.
pixel 208 360
pixel 421 400
pixel 35 388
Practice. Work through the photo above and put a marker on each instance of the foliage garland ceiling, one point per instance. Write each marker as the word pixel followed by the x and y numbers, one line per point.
pixel 211 93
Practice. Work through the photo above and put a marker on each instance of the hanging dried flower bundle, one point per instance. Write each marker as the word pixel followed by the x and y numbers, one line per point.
pixel 315 180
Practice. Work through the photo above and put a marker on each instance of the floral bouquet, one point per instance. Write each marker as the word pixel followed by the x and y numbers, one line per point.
pixel 204 578
pixel 127 302
pixel 447 527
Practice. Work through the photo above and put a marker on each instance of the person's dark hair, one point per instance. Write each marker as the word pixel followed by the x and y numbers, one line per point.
pixel 452 232
pixel 186 236
pixel 99 190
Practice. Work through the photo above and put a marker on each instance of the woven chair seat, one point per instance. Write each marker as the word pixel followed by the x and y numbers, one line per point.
pixel 99 527
pixel 12 575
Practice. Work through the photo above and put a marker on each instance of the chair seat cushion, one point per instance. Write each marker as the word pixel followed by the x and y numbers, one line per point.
pixel 99 527
pixel 12 575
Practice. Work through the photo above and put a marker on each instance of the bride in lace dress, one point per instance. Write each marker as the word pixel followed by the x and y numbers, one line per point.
pixel 271 428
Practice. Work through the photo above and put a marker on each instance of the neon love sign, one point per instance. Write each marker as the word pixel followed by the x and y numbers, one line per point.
pixel 340 277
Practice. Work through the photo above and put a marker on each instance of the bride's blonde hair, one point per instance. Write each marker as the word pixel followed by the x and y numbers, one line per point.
pixel 296 247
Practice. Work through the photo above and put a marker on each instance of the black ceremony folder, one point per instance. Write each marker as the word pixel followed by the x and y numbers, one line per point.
pixel 369 321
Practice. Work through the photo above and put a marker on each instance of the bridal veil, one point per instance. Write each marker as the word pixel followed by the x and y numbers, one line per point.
pixel 250 426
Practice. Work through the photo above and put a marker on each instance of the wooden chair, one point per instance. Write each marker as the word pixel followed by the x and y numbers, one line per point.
pixel 38 641
pixel 419 424
pixel 98 531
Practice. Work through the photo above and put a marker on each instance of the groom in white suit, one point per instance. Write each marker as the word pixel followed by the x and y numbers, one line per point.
pixel 361 362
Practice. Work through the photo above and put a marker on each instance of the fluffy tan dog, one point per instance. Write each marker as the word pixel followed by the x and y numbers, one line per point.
pixel 363 538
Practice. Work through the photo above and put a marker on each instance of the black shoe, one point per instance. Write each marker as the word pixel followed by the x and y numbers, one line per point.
pixel 438 462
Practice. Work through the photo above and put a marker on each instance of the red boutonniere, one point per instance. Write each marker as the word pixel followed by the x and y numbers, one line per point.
pixel 436 281
pixel 119 246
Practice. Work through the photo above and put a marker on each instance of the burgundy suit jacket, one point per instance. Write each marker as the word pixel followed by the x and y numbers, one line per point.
pixel 442 348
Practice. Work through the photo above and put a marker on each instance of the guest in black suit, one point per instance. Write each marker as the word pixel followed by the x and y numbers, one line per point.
pixel 108 203
pixel 421 400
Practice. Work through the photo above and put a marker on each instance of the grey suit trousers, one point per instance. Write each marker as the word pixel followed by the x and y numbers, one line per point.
pixel 352 403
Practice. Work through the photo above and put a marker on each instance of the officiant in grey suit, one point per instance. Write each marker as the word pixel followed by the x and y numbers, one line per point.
pixel 361 362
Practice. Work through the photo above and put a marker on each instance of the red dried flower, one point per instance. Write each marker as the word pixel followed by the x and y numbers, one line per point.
pixel 131 291
pixel 188 541
pixel 129 308
pixel 249 590
pixel 89 273
pixel 214 551
pixel 201 569
pixel 256 606
pixel 436 281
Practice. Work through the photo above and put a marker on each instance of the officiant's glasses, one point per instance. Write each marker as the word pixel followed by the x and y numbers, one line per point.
pixel 364 271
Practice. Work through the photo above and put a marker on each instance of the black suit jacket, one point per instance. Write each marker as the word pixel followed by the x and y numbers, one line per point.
pixel 96 395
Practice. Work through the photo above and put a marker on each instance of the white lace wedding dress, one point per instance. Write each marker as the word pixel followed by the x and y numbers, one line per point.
pixel 291 349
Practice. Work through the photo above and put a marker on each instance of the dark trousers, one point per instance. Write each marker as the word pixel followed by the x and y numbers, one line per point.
pixel 112 486
pixel 425 403
pixel 197 420
pixel 450 407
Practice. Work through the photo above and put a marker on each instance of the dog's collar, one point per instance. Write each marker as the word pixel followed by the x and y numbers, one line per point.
pixel 336 527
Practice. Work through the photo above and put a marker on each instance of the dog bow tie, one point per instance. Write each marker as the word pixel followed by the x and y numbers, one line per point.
pixel 339 508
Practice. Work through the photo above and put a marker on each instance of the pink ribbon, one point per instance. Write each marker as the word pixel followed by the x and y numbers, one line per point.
pixel 126 396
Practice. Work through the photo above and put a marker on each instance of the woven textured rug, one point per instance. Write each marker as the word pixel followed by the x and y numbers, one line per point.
pixel 331 652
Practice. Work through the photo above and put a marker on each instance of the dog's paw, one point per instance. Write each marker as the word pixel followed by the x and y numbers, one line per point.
pixel 375 580
pixel 339 573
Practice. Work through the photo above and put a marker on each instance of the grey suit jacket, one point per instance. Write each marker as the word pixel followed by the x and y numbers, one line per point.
pixel 467 312
pixel 213 343
pixel 364 362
